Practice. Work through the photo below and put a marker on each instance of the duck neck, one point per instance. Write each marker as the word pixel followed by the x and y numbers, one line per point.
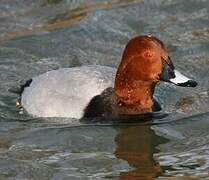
pixel 135 97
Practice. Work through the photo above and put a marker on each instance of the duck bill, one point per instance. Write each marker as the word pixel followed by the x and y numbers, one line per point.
pixel 169 74
pixel 181 80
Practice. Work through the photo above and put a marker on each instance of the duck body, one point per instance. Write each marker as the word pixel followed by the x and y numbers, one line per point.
pixel 66 92
pixel 93 91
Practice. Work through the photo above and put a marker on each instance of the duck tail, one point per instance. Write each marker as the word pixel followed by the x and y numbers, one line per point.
pixel 19 90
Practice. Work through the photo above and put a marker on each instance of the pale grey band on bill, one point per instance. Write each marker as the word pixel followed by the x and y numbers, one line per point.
pixel 181 80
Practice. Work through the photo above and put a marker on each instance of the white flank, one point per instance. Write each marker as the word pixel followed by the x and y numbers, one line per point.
pixel 66 92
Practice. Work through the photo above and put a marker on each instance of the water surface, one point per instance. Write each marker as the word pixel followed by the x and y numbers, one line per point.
pixel 37 36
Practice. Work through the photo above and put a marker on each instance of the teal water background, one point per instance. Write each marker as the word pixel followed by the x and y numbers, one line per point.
pixel 38 36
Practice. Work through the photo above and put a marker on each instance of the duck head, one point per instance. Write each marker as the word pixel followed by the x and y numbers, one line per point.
pixel 145 62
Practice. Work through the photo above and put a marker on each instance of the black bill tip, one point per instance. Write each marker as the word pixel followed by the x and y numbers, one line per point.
pixel 189 83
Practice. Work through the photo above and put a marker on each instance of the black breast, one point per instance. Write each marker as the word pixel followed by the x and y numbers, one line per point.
pixel 103 105
pixel 100 105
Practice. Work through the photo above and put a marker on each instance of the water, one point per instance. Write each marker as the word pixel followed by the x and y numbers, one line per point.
pixel 37 36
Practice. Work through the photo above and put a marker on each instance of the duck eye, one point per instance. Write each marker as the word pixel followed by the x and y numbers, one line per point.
pixel 148 54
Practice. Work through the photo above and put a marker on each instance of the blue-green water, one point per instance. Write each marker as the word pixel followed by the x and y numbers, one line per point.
pixel 37 36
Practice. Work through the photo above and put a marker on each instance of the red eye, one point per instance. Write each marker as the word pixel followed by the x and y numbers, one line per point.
pixel 148 54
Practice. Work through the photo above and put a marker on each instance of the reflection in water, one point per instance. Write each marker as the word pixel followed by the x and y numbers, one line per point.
pixel 4 145
pixel 136 145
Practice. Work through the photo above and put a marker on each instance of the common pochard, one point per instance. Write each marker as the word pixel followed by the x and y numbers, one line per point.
pixel 92 91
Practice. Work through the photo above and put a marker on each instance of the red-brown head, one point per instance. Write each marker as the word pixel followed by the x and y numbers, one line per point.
pixel 144 63
pixel 141 59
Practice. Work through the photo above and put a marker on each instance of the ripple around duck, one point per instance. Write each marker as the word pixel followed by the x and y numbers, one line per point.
pixel 187 151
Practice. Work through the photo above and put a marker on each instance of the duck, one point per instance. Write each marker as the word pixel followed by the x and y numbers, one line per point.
pixel 102 91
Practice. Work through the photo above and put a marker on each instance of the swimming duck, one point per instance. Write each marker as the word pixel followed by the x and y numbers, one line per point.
pixel 93 91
